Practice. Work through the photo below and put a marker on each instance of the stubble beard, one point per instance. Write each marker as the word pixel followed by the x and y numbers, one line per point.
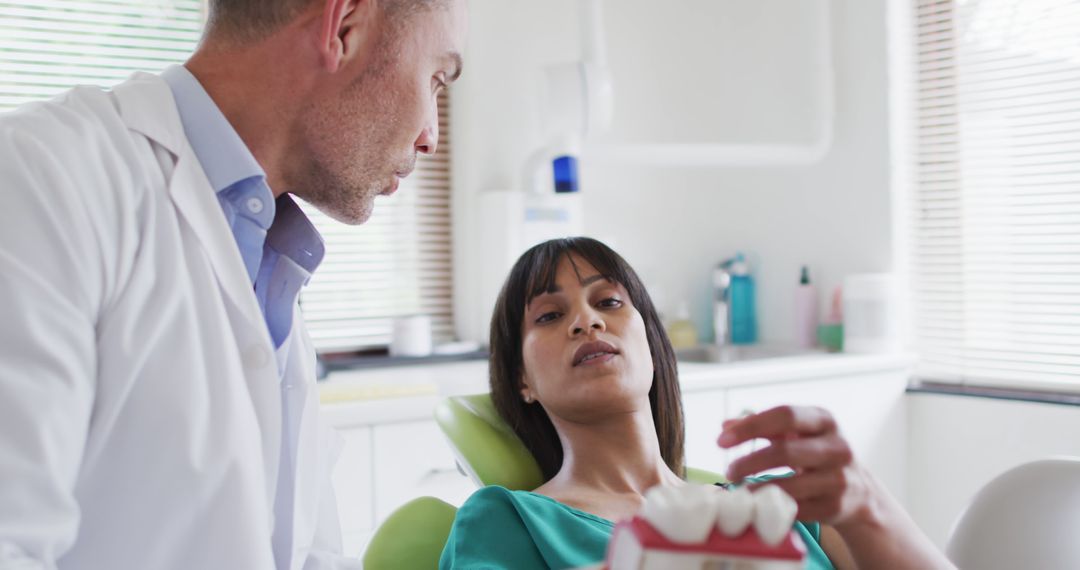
pixel 341 182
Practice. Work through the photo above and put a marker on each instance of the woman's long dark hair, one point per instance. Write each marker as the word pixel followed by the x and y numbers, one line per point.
pixel 534 274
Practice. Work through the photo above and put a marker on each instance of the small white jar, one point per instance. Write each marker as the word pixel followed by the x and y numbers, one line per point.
pixel 411 336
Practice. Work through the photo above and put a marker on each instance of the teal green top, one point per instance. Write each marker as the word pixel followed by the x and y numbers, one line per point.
pixel 500 528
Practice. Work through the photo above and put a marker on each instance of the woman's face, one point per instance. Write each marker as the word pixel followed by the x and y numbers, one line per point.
pixel 584 347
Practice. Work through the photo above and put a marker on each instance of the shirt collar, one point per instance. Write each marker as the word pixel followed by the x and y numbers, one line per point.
pixel 220 150
pixel 294 236
pixel 226 160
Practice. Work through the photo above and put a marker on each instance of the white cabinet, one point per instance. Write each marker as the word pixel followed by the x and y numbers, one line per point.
pixel 868 406
pixel 353 486
pixel 869 409
pixel 411 460
pixel 395 452
pixel 703 411
pixel 386 465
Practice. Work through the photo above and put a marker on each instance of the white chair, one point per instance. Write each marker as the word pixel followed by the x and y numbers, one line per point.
pixel 1027 517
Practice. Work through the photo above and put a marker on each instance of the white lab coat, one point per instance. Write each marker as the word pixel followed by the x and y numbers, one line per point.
pixel 141 410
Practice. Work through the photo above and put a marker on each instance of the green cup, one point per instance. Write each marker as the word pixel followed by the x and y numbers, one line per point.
pixel 831 336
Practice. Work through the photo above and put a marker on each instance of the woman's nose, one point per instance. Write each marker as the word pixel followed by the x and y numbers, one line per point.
pixel 586 322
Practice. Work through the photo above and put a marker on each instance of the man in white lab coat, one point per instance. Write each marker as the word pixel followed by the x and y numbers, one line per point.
pixel 157 391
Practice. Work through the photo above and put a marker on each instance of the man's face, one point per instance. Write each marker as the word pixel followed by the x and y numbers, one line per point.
pixel 361 135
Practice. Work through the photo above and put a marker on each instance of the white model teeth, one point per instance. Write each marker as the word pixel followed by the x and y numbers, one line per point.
pixel 734 511
pixel 774 514
pixel 684 514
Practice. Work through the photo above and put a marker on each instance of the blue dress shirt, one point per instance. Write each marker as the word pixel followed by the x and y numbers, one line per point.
pixel 279 246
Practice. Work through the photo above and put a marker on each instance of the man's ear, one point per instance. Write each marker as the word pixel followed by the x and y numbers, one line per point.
pixel 347 31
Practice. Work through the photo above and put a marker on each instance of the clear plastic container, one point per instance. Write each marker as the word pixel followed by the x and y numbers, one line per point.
pixel 869 313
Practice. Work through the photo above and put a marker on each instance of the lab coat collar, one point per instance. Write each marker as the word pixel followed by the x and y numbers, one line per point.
pixel 146 105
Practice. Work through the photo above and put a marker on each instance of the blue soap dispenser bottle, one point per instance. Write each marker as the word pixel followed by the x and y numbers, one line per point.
pixel 741 295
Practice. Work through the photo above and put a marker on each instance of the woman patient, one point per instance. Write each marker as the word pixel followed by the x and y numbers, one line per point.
pixel 583 372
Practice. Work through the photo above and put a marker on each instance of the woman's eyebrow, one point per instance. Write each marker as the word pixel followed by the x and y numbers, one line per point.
pixel 590 280
pixel 541 297
pixel 584 283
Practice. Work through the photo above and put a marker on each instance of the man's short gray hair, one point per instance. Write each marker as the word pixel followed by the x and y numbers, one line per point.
pixel 252 19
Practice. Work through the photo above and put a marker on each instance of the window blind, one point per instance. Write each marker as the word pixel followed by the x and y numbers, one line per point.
pixel 396 264
pixel 48 46
pixel 996 207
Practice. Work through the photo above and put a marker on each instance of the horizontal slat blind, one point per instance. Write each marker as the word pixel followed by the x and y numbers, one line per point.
pixel 48 46
pixel 996 218
pixel 396 264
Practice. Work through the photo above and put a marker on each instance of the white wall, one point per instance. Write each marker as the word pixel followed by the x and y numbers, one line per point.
pixel 957 444
pixel 674 224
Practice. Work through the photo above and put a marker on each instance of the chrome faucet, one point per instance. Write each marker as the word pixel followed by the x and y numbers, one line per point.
pixel 721 304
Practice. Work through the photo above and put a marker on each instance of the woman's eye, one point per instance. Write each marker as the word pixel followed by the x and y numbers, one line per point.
pixel 547 317
pixel 611 303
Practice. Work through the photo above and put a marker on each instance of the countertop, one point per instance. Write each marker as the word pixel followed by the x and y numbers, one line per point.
pixel 353 398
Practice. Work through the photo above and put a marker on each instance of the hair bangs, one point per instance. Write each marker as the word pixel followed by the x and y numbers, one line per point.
pixel 543 265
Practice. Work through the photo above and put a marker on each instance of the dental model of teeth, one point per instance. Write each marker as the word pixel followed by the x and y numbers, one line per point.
pixel 698 526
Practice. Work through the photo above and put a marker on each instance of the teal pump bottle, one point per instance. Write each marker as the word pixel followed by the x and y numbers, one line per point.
pixel 741 294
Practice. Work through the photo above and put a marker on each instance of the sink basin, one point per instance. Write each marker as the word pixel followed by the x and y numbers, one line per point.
pixel 738 353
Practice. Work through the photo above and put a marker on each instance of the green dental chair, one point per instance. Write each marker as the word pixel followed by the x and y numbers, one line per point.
pixel 413 536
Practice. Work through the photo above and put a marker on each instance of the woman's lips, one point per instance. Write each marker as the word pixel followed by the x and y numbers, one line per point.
pixel 597 360
pixel 595 352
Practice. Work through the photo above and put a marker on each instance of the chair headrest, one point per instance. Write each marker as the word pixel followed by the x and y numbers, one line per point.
pixel 486 448
pixel 491 454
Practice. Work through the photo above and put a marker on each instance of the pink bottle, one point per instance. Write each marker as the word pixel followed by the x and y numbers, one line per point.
pixel 806 312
